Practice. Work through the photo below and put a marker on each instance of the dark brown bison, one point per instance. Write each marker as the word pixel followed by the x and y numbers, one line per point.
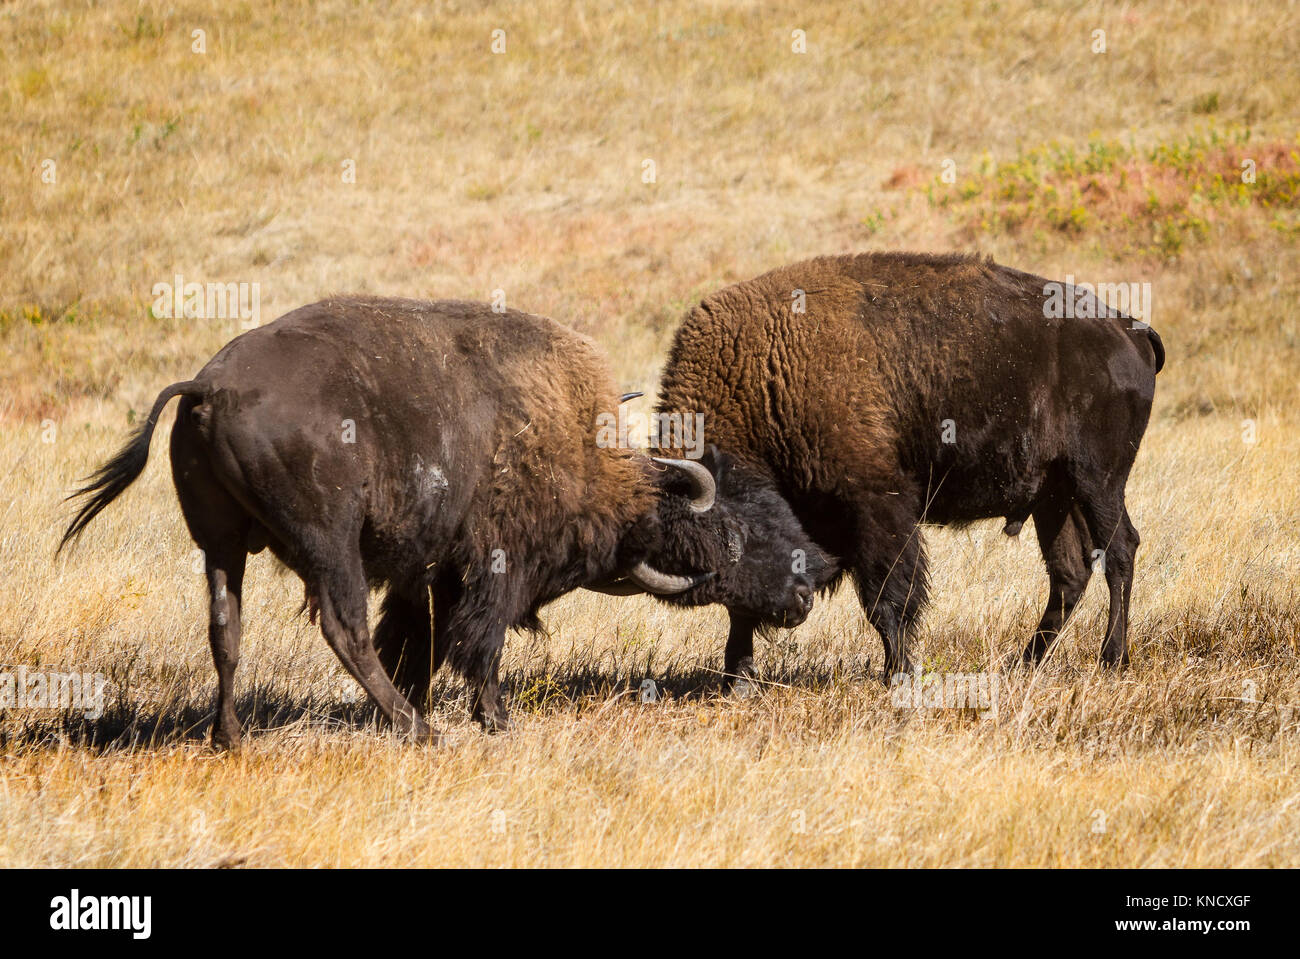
pixel 884 391
pixel 450 452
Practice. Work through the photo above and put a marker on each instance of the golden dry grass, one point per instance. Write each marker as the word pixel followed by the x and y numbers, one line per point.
pixel 523 172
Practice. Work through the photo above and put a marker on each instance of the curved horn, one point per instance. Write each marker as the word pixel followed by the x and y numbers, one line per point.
pixel 704 486
pixel 629 396
pixel 653 581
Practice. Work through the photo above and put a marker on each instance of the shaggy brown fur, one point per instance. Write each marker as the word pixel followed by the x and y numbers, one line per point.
pixel 846 407
pixel 443 449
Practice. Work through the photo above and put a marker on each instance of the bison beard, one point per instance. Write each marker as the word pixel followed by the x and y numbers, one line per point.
pixel 447 452
pixel 926 389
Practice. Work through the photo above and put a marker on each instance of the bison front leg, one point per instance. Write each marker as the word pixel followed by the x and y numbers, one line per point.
pixel 738 665
pixel 485 690
pixel 889 570
pixel 473 648
pixel 404 644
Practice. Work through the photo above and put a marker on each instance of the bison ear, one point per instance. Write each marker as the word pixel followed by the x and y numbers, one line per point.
pixel 717 462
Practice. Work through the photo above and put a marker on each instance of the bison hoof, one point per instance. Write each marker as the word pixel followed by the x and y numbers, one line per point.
pixel 225 740
pixel 428 736
pixel 1026 659
pixel 902 669
pixel 738 680
pixel 417 731
pixel 495 722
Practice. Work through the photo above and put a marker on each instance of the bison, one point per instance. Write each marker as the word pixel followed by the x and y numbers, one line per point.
pixel 449 452
pixel 883 391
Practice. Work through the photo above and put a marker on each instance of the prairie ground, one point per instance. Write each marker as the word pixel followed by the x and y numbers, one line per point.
pixel 608 168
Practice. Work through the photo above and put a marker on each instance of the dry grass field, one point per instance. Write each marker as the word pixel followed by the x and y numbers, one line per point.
pixel 314 148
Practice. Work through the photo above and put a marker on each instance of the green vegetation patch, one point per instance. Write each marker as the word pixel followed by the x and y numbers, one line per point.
pixel 1153 201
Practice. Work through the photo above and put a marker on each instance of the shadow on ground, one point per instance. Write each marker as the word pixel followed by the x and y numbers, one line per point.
pixel 136 723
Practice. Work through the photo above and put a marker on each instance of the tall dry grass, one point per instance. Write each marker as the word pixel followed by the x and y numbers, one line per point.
pixel 523 172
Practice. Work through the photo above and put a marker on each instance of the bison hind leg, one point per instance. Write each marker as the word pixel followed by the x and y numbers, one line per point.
pixel 1117 538
pixel 220 528
pixel 341 590
pixel 1065 544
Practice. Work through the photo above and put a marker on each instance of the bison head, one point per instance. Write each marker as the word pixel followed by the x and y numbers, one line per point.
pixel 722 534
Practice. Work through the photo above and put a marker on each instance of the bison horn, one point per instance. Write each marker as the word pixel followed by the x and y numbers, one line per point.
pixel 629 396
pixel 653 581
pixel 646 579
pixel 704 488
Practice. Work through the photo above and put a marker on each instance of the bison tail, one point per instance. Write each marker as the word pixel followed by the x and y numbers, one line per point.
pixel 111 479
pixel 1158 347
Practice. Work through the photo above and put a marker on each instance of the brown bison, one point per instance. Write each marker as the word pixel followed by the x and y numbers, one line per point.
pixel 449 452
pixel 883 391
